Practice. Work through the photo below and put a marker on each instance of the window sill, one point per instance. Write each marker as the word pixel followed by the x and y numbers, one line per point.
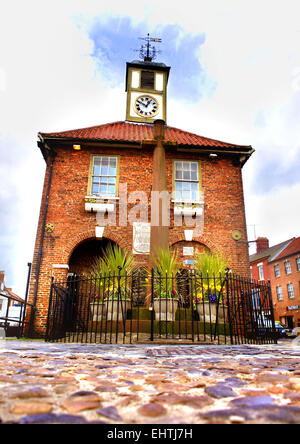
pixel 188 208
pixel 187 202
pixel 98 204
pixel 96 198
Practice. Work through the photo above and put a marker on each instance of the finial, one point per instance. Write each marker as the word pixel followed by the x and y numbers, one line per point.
pixel 148 52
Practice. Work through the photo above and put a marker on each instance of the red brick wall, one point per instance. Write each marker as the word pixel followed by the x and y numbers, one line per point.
pixel 280 308
pixel 223 211
pixel 266 269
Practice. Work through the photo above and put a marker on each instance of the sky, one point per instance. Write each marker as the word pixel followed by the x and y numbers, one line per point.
pixel 235 76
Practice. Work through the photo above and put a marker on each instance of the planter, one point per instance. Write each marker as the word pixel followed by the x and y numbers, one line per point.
pixel 98 310
pixel 208 312
pixel 165 309
pixel 116 309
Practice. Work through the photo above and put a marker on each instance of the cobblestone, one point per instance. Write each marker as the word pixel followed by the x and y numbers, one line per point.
pixel 43 383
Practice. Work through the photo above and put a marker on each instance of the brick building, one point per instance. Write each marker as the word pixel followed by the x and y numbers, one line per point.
pixel 280 265
pixel 100 179
pixel 285 282
pixel 259 261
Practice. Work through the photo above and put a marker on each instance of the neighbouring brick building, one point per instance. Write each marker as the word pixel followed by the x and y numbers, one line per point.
pixel 259 261
pixel 285 282
pixel 280 265
pixel 86 173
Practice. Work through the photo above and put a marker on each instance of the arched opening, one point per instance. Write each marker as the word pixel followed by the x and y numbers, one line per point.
pixel 186 251
pixel 85 254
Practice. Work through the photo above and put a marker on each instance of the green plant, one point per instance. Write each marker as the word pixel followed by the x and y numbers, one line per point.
pixel 112 272
pixel 166 268
pixel 211 264
pixel 169 294
pixel 210 273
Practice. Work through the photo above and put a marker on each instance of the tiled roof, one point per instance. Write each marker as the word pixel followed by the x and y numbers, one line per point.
pixel 14 296
pixel 292 248
pixel 269 252
pixel 7 292
pixel 133 132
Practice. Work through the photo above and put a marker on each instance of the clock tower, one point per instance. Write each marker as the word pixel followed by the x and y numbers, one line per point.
pixel 146 86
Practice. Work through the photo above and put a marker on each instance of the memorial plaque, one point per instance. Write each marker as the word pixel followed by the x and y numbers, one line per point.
pixel 141 238
pixel 188 251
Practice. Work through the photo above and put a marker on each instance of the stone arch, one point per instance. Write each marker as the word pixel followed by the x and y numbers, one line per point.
pixel 109 234
pixel 86 253
pixel 197 246
pixel 203 240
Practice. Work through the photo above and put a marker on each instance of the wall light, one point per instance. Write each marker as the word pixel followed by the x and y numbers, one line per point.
pixel 76 147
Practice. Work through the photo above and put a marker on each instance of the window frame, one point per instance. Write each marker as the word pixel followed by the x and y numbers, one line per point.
pixel 289 267
pixel 293 291
pixel 91 175
pixel 298 263
pixel 147 87
pixel 277 267
pixel 261 275
pixel 279 294
pixel 182 180
pixel 145 90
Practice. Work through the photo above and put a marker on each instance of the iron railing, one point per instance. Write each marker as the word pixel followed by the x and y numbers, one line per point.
pixel 143 307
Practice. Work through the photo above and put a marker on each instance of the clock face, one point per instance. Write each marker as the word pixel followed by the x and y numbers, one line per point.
pixel 146 106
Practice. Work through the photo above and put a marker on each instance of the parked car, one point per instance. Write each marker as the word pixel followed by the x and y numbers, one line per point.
pixel 291 332
pixel 281 328
pixel 284 331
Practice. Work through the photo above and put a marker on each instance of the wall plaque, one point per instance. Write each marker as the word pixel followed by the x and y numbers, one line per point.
pixel 188 251
pixel 141 238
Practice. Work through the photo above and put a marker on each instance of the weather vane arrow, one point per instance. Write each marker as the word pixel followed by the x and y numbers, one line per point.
pixel 148 52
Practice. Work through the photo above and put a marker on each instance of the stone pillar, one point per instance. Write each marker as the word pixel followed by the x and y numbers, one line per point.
pixel 159 237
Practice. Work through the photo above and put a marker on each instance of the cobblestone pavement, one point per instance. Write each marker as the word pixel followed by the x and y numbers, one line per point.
pixel 138 384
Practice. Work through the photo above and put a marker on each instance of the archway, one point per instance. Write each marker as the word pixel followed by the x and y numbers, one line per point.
pixel 186 251
pixel 85 253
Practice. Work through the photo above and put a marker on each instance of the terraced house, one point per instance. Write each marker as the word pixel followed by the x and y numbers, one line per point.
pixel 285 283
pixel 111 183
pixel 280 265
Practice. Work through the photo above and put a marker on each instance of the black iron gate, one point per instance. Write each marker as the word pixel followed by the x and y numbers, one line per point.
pixel 143 308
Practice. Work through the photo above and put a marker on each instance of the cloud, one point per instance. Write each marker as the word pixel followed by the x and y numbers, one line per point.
pixel 272 176
pixel 115 42
pixel 276 132
pixel 276 214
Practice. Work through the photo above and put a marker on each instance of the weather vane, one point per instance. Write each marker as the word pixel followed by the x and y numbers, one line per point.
pixel 148 52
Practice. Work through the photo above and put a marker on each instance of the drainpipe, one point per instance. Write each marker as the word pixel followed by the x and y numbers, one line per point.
pixel 52 155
